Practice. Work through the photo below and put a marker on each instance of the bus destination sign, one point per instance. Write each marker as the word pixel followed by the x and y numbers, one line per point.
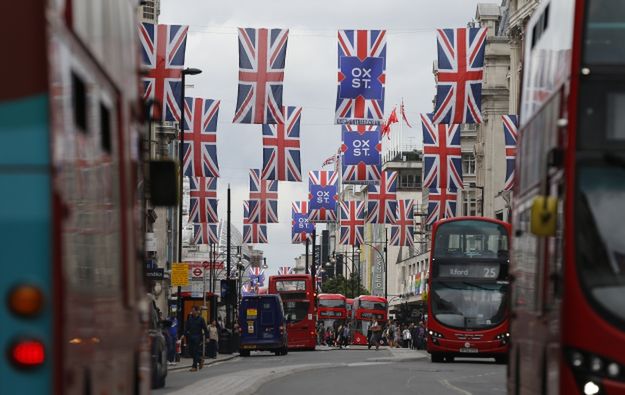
pixel 471 270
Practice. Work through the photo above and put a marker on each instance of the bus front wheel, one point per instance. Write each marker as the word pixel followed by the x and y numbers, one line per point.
pixel 437 357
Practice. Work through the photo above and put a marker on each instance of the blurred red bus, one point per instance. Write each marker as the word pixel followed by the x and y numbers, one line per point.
pixel 331 310
pixel 298 297
pixel 367 309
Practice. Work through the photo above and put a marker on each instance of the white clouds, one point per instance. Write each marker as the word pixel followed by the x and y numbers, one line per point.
pixel 310 78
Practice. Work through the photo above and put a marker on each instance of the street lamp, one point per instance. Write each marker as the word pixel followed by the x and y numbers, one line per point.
pixel 187 71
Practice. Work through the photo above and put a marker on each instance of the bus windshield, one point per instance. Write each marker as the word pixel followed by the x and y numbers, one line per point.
pixel 600 235
pixel 290 285
pixel 471 239
pixel 605 32
pixel 331 303
pixel 295 311
pixel 365 304
pixel 468 305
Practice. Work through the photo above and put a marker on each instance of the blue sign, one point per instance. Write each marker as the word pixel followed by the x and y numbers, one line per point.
pixel 323 197
pixel 361 78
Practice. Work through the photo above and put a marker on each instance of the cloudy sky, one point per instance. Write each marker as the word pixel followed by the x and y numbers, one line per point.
pixel 310 79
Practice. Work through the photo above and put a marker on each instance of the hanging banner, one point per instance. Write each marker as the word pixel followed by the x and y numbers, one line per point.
pixel 322 196
pixel 459 74
pixel 361 77
pixel 200 137
pixel 442 155
pixel 510 131
pixel 262 54
pixel 441 204
pixel 162 54
pixel 301 227
pixel 281 148
pixel 361 159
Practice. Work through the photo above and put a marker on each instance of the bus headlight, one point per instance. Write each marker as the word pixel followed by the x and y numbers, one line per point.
pixel 434 334
pixel 589 370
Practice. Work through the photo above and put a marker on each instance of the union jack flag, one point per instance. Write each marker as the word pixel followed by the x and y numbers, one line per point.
pixel 205 234
pixel 352 223
pixel 382 200
pixel 257 275
pixel 283 270
pixel 361 149
pixel 361 77
pixel 203 200
pixel 331 160
pixel 281 153
pixel 162 53
pixel 262 53
pixel 263 208
pixel 200 137
pixel 442 155
pixel 441 204
pixel 322 196
pixel 301 227
pixel 402 233
pixel 510 132
pixel 247 289
pixel 459 75
pixel 253 233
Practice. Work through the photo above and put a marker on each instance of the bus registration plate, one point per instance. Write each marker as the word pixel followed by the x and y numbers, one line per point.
pixel 467 350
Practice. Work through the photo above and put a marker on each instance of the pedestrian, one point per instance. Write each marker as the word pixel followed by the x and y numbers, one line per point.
pixel 421 336
pixel 376 330
pixel 407 337
pixel 390 335
pixel 329 336
pixel 338 340
pixel 397 335
pixel 195 332
pixel 413 336
pixel 346 335
pixel 213 339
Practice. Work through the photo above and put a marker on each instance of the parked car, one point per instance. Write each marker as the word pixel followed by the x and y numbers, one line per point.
pixel 262 325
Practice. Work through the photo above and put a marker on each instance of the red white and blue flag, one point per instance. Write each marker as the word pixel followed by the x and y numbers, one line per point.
pixel 284 270
pixel 510 132
pixel 205 234
pixel 262 54
pixel 322 195
pixel 441 204
pixel 352 223
pixel 459 75
pixel 301 227
pixel 402 233
pixel 281 148
pixel 162 53
pixel 361 77
pixel 361 160
pixel 200 137
pixel 203 200
pixel 253 233
pixel 247 289
pixel 382 200
pixel 263 204
pixel 442 155
pixel 257 275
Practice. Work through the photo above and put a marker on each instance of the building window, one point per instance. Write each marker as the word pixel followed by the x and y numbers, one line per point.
pixel 468 164
pixel 410 180
pixel 469 203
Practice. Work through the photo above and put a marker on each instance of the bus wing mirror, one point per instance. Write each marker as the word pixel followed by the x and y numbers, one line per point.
pixel 164 182
pixel 544 216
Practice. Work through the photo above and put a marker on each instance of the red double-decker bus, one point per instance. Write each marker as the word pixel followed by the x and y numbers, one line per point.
pixel 568 262
pixel 298 296
pixel 367 309
pixel 331 310
pixel 467 306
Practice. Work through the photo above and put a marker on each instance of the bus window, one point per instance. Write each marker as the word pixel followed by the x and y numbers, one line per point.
pixel 290 285
pixel 605 32
pixel 295 311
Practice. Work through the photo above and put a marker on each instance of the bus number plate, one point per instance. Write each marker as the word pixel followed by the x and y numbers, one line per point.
pixel 469 350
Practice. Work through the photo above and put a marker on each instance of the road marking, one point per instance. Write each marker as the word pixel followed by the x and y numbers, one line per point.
pixel 453 387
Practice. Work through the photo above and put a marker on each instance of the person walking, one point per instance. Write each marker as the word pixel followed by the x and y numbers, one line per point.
pixel 397 335
pixel 346 335
pixel 421 336
pixel 213 339
pixel 413 336
pixel 406 337
pixel 376 330
pixel 195 332
pixel 338 340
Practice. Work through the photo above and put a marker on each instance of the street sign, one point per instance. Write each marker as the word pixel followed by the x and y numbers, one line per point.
pixel 197 272
pixel 154 274
pixel 179 274
pixel 206 264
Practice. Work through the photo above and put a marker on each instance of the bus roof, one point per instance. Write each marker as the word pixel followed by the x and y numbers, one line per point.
pixel 331 296
pixel 472 218
pixel 371 298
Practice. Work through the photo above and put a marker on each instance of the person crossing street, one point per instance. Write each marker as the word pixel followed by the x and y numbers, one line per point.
pixel 195 333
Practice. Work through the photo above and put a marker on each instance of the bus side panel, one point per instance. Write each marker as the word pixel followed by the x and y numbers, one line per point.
pixel 25 223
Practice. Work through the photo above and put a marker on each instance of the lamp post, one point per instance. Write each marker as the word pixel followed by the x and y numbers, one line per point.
pixel 185 72
pixel 333 262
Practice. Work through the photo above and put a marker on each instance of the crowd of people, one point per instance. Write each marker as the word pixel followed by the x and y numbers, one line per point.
pixel 393 334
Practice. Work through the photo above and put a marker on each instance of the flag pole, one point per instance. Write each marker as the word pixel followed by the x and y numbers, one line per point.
pixel 401 125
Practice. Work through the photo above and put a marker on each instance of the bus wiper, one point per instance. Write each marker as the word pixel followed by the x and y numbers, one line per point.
pixel 614 160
